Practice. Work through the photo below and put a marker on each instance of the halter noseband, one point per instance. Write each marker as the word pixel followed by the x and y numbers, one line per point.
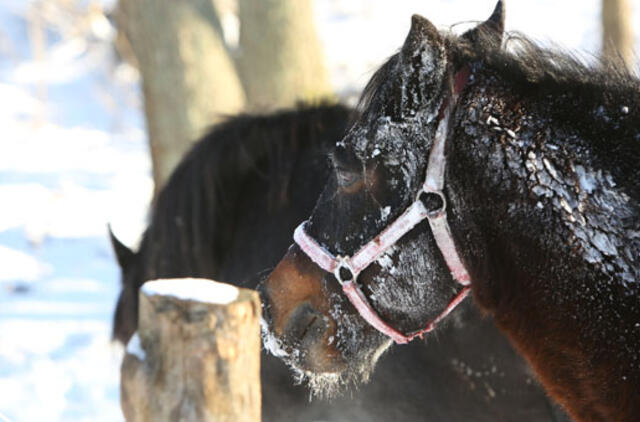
pixel 347 268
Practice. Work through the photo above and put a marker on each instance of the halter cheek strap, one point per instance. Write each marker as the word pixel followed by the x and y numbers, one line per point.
pixel 347 268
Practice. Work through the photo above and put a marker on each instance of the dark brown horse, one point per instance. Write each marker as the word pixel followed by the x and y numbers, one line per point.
pixel 227 213
pixel 531 198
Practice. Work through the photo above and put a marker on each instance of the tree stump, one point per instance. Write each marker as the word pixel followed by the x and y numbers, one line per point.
pixel 196 356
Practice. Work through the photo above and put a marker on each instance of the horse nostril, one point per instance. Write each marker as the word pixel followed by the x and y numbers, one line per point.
pixel 305 323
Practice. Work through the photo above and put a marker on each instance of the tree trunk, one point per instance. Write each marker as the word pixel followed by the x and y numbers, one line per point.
pixel 617 33
pixel 195 358
pixel 188 78
pixel 280 58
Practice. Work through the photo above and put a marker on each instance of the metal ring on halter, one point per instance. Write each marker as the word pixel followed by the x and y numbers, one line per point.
pixel 422 197
pixel 343 271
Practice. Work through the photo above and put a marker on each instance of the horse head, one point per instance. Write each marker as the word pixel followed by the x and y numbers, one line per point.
pixel 378 177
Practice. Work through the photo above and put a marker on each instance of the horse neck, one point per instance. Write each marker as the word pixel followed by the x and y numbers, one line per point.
pixel 551 240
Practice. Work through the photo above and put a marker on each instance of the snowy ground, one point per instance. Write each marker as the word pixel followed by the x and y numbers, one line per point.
pixel 73 157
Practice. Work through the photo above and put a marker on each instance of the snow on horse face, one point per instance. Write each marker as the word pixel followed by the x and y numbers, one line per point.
pixel 378 169
pixel 531 199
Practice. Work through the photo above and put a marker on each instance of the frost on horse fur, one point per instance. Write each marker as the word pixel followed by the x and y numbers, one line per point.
pixel 543 196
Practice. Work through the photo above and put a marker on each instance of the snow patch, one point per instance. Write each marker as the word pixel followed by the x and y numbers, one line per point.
pixel 385 261
pixel 270 342
pixel 601 241
pixel 134 347
pixel 196 289
pixel 384 212
pixel 19 266
pixel 587 180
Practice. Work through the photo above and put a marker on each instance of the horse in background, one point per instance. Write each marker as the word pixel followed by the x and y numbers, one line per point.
pixel 510 173
pixel 226 209
pixel 227 213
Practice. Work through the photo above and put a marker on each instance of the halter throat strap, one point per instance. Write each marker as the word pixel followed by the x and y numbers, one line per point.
pixel 347 268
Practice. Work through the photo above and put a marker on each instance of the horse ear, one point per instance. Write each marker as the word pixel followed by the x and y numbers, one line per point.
pixel 422 36
pixel 124 255
pixel 491 30
pixel 422 60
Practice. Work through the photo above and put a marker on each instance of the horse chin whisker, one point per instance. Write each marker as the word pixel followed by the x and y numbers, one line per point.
pixel 329 385
pixel 323 385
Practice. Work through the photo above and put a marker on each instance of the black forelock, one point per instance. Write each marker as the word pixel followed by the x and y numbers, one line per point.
pixel 375 84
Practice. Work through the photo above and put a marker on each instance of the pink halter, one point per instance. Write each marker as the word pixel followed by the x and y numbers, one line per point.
pixel 347 268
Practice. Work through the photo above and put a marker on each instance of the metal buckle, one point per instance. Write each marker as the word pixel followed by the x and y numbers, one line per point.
pixel 433 201
pixel 343 272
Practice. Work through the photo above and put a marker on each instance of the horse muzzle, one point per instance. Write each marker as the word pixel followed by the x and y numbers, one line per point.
pixel 297 312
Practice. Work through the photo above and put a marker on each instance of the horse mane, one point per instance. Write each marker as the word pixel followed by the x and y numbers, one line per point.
pixel 192 220
pixel 599 100
pixel 590 95
pixel 525 61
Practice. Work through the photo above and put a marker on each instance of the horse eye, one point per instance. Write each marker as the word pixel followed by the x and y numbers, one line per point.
pixel 347 178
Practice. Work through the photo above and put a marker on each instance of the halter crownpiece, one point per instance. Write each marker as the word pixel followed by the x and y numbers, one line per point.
pixel 347 268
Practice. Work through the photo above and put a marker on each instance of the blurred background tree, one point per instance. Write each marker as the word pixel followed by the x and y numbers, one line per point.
pixel 617 32
pixel 279 58
pixel 190 78
pixel 194 72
